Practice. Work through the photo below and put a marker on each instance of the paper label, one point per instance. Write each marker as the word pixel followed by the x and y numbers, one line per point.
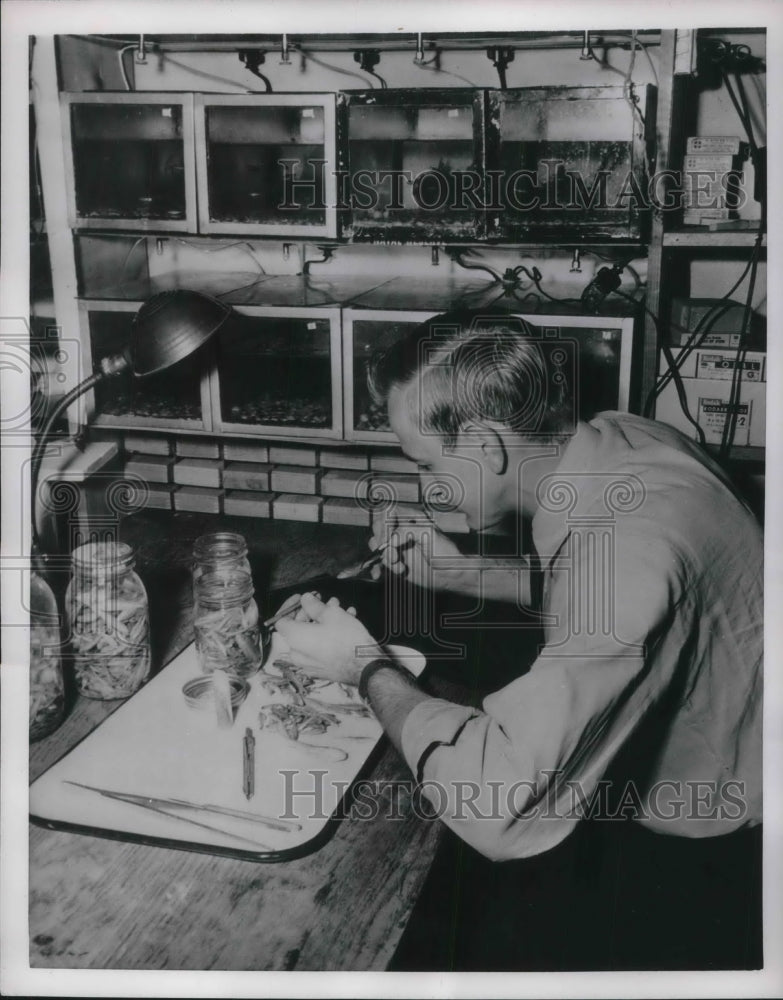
pixel 166 112
pixel 712 419
pixel 722 366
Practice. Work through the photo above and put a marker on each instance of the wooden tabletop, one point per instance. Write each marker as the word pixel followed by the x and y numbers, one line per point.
pixel 103 904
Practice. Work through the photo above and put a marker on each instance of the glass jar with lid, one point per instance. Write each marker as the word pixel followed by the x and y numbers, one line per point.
pixel 47 691
pixel 219 552
pixel 226 623
pixel 108 620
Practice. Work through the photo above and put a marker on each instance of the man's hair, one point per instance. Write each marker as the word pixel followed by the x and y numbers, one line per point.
pixel 479 366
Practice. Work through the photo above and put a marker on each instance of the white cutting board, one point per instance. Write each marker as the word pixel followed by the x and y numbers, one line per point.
pixel 155 745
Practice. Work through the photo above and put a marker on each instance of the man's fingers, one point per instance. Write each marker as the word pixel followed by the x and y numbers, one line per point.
pixel 313 606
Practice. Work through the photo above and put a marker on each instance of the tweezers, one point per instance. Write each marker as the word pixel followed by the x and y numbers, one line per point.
pixel 168 807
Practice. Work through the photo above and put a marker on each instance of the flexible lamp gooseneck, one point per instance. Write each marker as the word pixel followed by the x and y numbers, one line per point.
pixel 168 328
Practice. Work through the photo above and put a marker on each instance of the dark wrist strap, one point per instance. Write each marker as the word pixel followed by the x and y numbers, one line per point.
pixel 374 666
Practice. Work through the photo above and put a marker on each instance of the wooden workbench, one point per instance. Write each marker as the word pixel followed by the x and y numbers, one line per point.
pixel 103 904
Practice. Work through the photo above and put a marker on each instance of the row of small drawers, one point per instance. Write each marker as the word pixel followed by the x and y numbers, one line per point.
pixel 276 454
pixel 282 506
pixel 265 477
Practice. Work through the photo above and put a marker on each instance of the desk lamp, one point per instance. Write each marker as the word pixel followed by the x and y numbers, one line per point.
pixel 167 328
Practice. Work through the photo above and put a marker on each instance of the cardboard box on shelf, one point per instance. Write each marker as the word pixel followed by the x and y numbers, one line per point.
pixel 391 462
pixel 247 476
pixel 198 498
pixel 245 451
pixel 194 447
pixel 338 510
pixel 198 472
pixel 331 458
pixel 292 455
pixel 707 399
pixel 293 507
pixel 295 479
pixel 719 364
pixel 248 503
pixel 147 444
pixel 160 496
pixel 152 468
pixel 345 484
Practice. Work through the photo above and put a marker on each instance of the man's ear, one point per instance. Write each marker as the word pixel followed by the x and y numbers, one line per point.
pixel 479 435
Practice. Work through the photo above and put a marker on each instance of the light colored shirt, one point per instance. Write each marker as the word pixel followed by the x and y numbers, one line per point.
pixel 653 613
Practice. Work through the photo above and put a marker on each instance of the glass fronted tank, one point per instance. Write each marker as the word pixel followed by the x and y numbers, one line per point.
pixel 130 161
pixel 266 164
pixel 569 160
pixel 365 332
pixel 177 397
pixel 277 372
pixel 413 164
pixel 595 350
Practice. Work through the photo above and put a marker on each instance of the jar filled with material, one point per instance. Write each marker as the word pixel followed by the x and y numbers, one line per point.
pixel 219 552
pixel 226 623
pixel 108 619
pixel 47 692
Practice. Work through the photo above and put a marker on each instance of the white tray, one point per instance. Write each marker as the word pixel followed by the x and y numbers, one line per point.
pixel 155 745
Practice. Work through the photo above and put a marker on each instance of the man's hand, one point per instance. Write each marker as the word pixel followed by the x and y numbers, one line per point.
pixel 415 548
pixel 331 643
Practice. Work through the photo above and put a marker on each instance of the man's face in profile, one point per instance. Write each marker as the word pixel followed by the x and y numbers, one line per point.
pixel 464 468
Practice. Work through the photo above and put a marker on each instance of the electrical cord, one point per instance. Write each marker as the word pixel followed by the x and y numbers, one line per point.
pixel 701 330
pixel 435 68
pixel 202 73
pixel 121 57
pixel 643 47
pixel 377 77
pixel 730 424
pixel 226 246
pixel 673 367
pixel 628 84
pixel 141 239
pixel 306 54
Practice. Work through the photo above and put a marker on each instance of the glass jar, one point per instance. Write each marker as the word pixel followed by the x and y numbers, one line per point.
pixel 108 618
pixel 219 552
pixel 47 692
pixel 226 623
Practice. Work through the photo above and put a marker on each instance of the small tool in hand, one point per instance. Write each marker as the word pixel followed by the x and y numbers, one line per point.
pixel 286 611
pixel 373 560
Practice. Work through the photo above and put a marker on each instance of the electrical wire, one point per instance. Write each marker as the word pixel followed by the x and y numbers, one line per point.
pixel 643 47
pixel 226 246
pixel 121 57
pixel 202 73
pixel 628 84
pixel 239 288
pixel 536 276
pixel 306 54
pixel 744 121
pixel 699 333
pixel 141 239
pixel 672 367
pixel 444 72
pixel 377 77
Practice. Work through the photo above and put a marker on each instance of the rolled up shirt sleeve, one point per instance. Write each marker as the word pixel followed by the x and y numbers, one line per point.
pixel 512 779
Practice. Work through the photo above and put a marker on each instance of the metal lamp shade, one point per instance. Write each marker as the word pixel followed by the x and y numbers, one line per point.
pixel 172 325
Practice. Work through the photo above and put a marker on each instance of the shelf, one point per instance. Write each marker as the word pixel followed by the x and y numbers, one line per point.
pixel 741 453
pixel 717 239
